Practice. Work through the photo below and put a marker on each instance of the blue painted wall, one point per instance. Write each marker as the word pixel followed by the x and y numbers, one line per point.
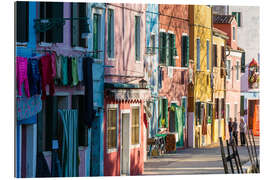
pixel 25 51
pixel 98 89
pixel 151 61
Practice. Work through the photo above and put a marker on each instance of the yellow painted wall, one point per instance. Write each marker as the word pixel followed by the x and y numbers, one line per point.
pixel 200 20
pixel 218 86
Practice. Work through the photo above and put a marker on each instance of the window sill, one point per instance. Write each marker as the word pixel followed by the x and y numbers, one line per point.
pixel 112 150
pixel 21 44
pixel 44 44
pixel 135 146
pixel 111 59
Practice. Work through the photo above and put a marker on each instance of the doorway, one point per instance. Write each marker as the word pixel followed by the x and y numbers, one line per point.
pixel 125 141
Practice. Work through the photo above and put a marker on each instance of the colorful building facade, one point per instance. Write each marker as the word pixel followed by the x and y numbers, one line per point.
pixel 125 94
pixel 219 81
pixel 228 24
pixel 173 69
pixel 200 91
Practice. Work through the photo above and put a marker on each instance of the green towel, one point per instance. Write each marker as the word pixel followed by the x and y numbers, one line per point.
pixel 75 78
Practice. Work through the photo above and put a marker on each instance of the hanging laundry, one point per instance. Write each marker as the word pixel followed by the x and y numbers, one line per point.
pixel 53 57
pixel 58 60
pixel 64 70
pixel 27 106
pixel 75 80
pixel 69 71
pixel 46 75
pixel 21 75
pixel 34 76
pixel 80 68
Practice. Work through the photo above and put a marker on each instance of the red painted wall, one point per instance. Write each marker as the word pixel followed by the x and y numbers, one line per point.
pixel 228 28
pixel 112 160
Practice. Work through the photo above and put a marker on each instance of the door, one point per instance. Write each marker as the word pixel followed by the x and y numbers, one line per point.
pixel 125 144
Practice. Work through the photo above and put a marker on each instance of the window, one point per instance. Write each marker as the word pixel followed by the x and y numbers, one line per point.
pixel 96 34
pixel 237 70
pixel 112 128
pixel 110 43
pixel 237 17
pixel 207 54
pixel 185 51
pixel 228 69
pixel 22 10
pixel 162 47
pixel 217 108
pixel 78 10
pixel 243 62
pixel 228 112
pixel 215 55
pixel 135 126
pixel 198 113
pixel 242 111
pixel 209 112
pixel 223 108
pixel 137 37
pixel 49 10
pixel 233 33
pixel 198 54
pixel 153 43
pixel 172 49
pixel 163 113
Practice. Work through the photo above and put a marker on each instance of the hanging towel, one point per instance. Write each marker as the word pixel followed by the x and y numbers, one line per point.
pixel 58 66
pixel 69 71
pixel 70 152
pixel 53 57
pixel 64 72
pixel 74 72
pixel 46 75
pixel 88 82
pixel 21 75
pixel 80 68
pixel 204 123
pixel 34 76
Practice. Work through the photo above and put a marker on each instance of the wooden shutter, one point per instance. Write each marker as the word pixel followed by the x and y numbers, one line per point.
pixel 137 37
pixel 74 25
pixel 243 62
pixel 187 51
pixel 112 129
pixel 57 12
pixel 165 111
pixel 22 11
pixel 95 34
pixel 242 106
pixel 162 47
pixel 160 112
pixel 239 19
pixel 82 14
pixel 215 55
pixel 198 54
pixel 135 126
pixel 109 47
pixel 173 50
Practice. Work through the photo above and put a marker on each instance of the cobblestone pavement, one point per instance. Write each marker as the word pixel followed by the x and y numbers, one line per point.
pixel 192 161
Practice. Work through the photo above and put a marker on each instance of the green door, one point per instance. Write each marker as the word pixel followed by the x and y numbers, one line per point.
pixel 179 125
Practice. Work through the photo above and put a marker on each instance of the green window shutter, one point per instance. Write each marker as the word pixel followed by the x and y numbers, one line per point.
pixel 242 106
pixel 239 19
pixel 165 111
pixel 187 51
pixel 82 13
pixel 160 112
pixel 183 51
pixel 162 46
pixel 110 43
pixel 22 10
pixel 95 34
pixel 57 34
pixel 234 14
pixel 243 62
pixel 74 25
pixel 167 45
pixel 137 37
pixel 174 50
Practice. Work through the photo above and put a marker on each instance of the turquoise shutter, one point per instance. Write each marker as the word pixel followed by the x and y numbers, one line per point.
pixel 198 54
pixel 165 113
pixel 160 112
pixel 57 35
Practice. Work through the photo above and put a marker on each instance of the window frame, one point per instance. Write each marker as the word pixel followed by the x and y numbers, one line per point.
pixel 112 106
pixel 135 106
pixel 110 42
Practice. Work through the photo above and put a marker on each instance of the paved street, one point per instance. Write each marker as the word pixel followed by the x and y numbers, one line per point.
pixel 192 161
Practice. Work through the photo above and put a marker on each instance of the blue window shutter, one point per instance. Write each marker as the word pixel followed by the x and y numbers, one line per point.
pixel 198 54
pixel 207 46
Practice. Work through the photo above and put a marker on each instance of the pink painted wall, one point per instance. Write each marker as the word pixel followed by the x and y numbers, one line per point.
pixel 124 62
pixel 112 159
pixel 228 28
